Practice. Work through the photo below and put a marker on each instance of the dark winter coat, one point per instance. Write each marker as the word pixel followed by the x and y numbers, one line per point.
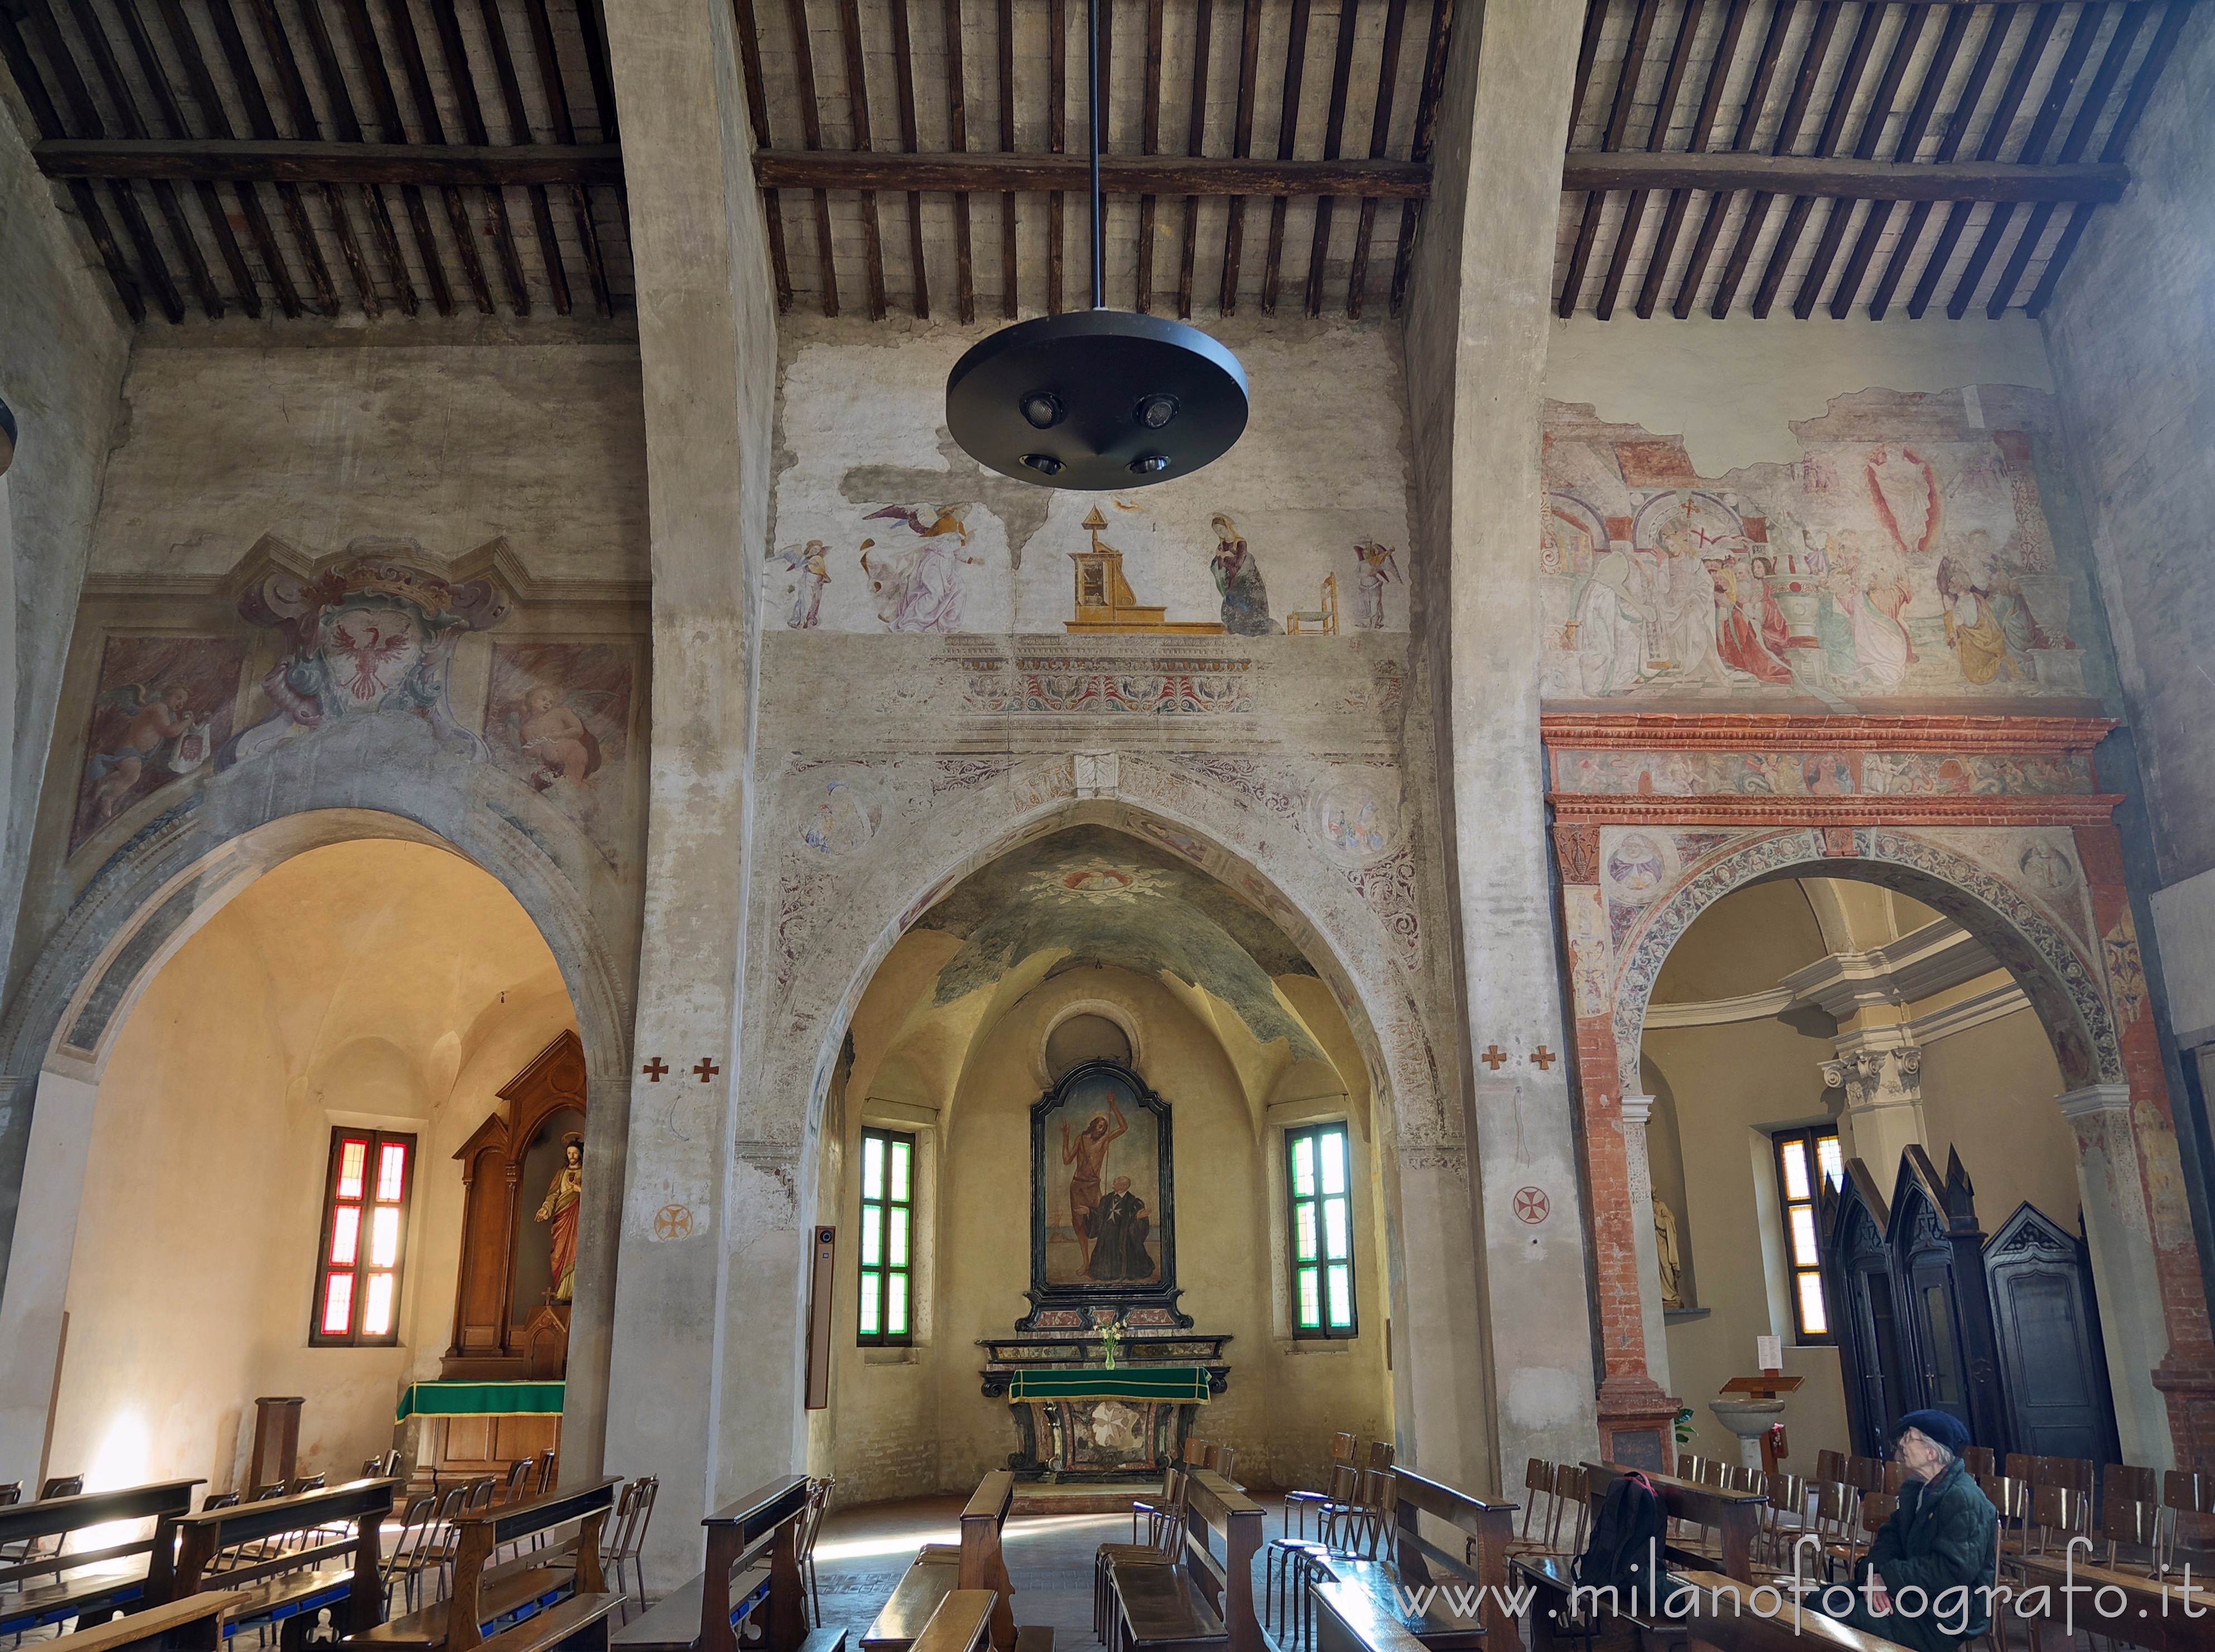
pixel 1940 1538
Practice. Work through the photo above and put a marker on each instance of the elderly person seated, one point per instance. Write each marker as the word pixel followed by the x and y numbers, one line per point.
pixel 1926 1581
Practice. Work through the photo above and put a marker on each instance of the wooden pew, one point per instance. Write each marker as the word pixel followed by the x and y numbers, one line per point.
pixel 1204 1601
pixel 1360 1601
pixel 977 1562
pixel 1715 1627
pixel 1736 1515
pixel 2153 1614
pixel 962 1622
pixel 126 1575
pixel 753 1562
pixel 562 1583
pixel 289 1587
pixel 169 1627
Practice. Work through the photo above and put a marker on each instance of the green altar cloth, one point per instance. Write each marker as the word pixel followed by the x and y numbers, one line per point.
pixel 481 1399
pixel 1179 1385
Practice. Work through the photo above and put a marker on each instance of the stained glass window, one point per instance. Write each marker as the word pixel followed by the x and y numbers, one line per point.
pixel 1319 1197
pixel 1806 1160
pixel 887 1243
pixel 364 1237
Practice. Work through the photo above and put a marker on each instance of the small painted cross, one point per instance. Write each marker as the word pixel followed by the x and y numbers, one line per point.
pixel 653 1070
pixel 1545 1058
pixel 706 1070
pixel 1492 1057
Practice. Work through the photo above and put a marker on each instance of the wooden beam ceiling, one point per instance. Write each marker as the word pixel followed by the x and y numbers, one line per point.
pixel 312 139
pixel 1825 154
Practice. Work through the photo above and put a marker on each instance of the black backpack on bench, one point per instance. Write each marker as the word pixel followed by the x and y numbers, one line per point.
pixel 1627 1540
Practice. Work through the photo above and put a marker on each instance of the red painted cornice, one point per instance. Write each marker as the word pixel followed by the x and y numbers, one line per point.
pixel 1752 731
pixel 1763 810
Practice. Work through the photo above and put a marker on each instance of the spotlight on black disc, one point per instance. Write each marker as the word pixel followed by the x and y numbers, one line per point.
pixel 1127 400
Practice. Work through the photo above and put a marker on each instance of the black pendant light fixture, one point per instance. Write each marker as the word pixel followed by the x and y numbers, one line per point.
pixel 1098 398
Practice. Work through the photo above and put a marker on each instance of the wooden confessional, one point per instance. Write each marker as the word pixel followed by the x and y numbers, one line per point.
pixel 2004 1335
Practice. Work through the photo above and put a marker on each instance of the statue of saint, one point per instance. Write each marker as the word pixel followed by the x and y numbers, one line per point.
pixel 1673 1265
pixel 560 1208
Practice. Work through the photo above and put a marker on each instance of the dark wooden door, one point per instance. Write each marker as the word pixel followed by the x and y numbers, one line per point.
pixel 1858 1275
pixel 2053 1366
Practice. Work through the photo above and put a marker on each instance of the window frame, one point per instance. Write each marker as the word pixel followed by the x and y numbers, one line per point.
pixel 1323 1330
pixel 375 1141
pixel 884 1273
pixel 1809 1138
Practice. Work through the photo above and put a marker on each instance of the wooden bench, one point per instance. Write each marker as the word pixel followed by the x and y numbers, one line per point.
pixel 165 1628
pixel 1204 1601
pixel 127 1576
pixel 2153 1613
pixel 523 1588
pixel 976 1561
pixel 962 1622
pixel 1723 1619
pixel 752 1561
pixel 1735 1516
pixel 279 1546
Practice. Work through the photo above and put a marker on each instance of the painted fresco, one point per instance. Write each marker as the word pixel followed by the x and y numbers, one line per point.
pixel 363 637
pixel 558 718
pixel 162 707
pixel 885 527
pixel 1906 555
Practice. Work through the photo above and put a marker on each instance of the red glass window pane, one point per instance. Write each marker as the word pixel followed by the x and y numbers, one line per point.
pixel 338 1304
pixel 376 1306
pixel 353 1159
pixel 392 1168
pixel 345 1234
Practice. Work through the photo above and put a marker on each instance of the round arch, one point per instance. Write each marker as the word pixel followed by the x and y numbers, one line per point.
pixel 2064 987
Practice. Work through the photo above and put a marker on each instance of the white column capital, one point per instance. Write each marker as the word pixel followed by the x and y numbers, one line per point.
pixel 2093 1099
pixel 1637 1110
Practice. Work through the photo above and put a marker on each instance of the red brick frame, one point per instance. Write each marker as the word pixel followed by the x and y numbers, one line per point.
pixel 1671 772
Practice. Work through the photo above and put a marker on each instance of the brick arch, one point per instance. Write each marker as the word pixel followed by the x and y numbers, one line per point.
pixel 2064 986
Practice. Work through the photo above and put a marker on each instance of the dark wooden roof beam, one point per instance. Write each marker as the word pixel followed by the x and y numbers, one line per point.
pixel 1847 178
pixel 284 161
pixel 1119 174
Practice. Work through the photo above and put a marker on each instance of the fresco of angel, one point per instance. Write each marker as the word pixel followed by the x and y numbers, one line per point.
pixel 1373 568
pixel 920 590
pixel 809 562
pixel 159 718
pixel 550 725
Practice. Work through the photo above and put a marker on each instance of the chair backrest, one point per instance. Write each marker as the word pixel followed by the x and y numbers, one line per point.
pixel 1538 1474
pixel 219 1500
pixel 409 1553
pixel 2057 1512
pixel 1687 1466
pixel 518 1478
pixel 1786 1494
pixel 1877 1507
pixel 2186 1492
pixel 452 1502
pixel 1895 1477
pixel 2126 1519
pixel 300 1482
pixel 2122 1479
pixel 63 1485
pixel 11 1493
pixel 1979 1461
pixel 651 1490
pixel 1834 1504
pixel 269 1492
pixel 481 1492
pixel 2010 1497
pixel 1709 1471
pixel 2075 1473
pixel 550 1471
pixel 1829 1465
pixel 1865 1474
pixel 2021 1465
pixel 1224 1459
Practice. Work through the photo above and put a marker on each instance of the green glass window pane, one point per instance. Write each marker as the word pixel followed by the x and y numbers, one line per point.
pixel 1333 1230
pixel 902 1152
pixel 1813 1319
pixel 872 1235
pixel 1311 1301
pixel 1793 1156
pixel 1341 1295
pixel 1302 1167
pixel 1333 1143
pixel 896 1304
pixel 1804 1253
pixel 1303 1231
pixel 1833 1162
pixel 873 1167
pixel 896 1241
pixel 869 1290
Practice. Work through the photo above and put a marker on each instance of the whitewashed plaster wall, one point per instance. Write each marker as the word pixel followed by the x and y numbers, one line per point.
pixel 401 432
pixel 64 345
pixel 2132 334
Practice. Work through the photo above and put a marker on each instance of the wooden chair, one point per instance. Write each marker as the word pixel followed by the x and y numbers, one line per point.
pixel 1834 1521
pixel 818 1505
pixel 751 1576
pixel 2075 1473
pixel 1537 1493
pixel 2010 1501
pixel 1979 1461
pixel 2021 1465
pixel 1338 1488
pixel 627 1539
pixel 411 1554
pixel 2057 1513
pixel 1829 1465
pixel 1349 1528
pixel 2129 1524
pixel 1787 1515
pixel 1876 1507
pixel 1572 1486
pixel 2188 1501
pixel 1865 1473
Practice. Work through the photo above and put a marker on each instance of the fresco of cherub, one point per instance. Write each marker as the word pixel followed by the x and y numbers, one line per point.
pixel 549 725
pixel 157 719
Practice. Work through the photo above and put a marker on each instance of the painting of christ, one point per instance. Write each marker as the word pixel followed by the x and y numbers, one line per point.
pixel 1100 1195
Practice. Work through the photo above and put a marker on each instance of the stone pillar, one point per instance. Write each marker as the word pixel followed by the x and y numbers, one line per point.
pixel 704 1374
pixel 1636 1111
pixel 2120 1238
pixel 36 1289
pixel 1475 345
pixel 1883 1114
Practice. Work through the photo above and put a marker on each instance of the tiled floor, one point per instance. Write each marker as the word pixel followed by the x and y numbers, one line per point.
pixel 861 1552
